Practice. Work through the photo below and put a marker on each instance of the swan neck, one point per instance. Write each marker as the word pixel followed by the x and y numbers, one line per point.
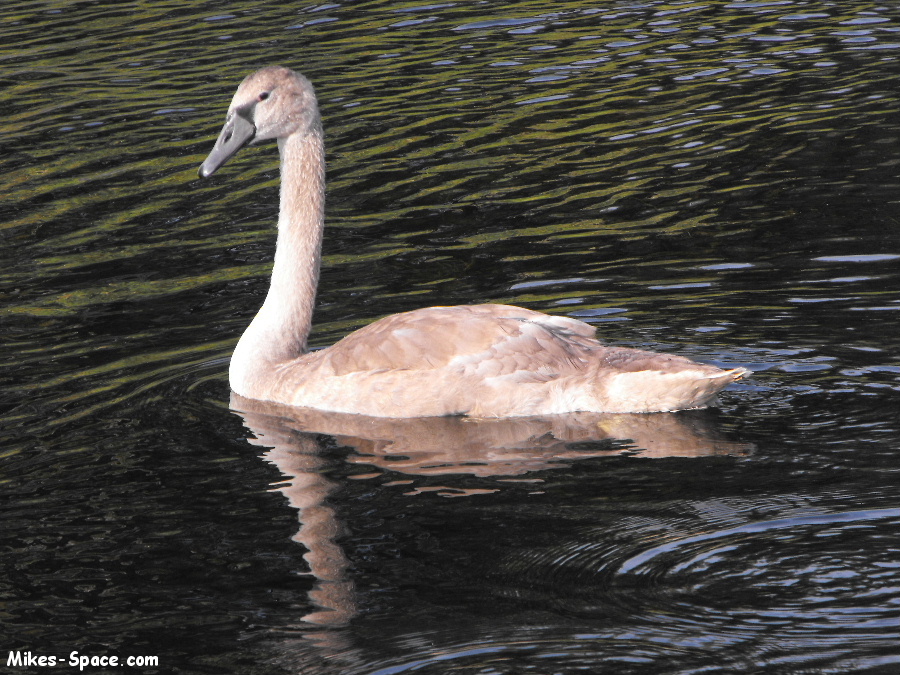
pixel 280 329
pixel 298 251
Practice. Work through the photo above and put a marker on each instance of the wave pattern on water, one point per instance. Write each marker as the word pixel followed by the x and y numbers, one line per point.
pixel 717 180
pixel 594 127
pixel 798 584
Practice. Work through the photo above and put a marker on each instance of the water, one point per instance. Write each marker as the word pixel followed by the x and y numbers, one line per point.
pixel 716 180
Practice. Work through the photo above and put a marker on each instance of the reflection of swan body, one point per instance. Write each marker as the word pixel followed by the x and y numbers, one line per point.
pixel 449 447
pixel 481 361
pixel 429 446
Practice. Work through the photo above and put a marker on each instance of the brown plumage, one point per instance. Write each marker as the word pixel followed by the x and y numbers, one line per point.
pixel 481 360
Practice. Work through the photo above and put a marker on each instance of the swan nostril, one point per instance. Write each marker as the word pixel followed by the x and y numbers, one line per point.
pixel 263 96
pixel 227 138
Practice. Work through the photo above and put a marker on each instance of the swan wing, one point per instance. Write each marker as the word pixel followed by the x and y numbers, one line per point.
pixel 478 340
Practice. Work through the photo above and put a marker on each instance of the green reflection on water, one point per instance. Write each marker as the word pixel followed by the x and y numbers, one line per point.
pixel 466 153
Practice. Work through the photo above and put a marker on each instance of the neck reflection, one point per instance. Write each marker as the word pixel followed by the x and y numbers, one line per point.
pixel 447 446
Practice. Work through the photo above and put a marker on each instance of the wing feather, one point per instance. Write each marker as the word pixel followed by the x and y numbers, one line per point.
pixel 490 340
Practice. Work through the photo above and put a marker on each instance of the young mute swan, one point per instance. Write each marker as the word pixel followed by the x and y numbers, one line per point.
pixel 479 360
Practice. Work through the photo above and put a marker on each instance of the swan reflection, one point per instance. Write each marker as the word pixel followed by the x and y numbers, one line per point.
pixel 442 446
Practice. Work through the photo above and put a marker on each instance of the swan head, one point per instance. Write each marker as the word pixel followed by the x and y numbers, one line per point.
pixel 273 102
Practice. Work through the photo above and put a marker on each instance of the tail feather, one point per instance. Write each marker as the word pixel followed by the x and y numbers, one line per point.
pixel 655 391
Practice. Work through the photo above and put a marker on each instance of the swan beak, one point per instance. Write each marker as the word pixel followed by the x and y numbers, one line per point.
pixel 237 132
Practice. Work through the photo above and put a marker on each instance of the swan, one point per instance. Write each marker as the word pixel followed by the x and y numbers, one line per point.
pixel 486 360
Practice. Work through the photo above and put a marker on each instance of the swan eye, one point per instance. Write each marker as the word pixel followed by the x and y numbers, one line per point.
pixel 263 96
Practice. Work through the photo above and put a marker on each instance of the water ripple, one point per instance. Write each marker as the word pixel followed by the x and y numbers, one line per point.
pixel 812 576
pixel 716 180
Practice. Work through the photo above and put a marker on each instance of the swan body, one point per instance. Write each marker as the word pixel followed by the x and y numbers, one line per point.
pixel 480 360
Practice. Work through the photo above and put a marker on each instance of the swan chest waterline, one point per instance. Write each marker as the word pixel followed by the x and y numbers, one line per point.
pixel 478 360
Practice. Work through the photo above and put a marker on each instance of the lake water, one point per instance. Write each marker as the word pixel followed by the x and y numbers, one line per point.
pixel 717 180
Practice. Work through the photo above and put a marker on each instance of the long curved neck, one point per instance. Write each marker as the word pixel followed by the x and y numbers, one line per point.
pixel 301 218
pixel 279 331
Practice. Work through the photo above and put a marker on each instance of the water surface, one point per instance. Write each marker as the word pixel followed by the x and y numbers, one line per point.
pixel 715 180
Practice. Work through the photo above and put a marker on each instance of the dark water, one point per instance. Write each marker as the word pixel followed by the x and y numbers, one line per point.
pixel 717 180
